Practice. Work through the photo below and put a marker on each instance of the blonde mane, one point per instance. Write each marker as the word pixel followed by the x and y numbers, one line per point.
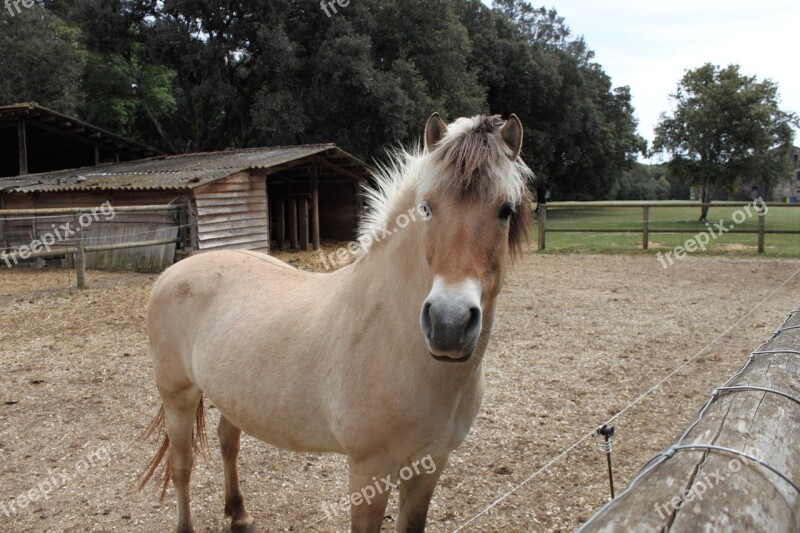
pixel 470 160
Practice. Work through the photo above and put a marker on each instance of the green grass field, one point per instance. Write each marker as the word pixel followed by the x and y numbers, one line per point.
pixel 665 217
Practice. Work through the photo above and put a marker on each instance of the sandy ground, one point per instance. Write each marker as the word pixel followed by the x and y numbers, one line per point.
pixel 578 338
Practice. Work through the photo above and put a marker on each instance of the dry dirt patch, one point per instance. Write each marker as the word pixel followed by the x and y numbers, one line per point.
pixel 578 338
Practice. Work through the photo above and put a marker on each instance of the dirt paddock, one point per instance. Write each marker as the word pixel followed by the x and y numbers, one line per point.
pixel 578 338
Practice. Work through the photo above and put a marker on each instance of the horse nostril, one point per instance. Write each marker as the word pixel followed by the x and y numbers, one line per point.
pixel 473 327
pixel 425 320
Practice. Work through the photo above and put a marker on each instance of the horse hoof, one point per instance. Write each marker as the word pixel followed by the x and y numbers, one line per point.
pixel 243 524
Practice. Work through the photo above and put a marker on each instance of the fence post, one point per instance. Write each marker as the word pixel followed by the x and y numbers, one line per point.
pixel 80 258
pixel 761 230
pixel 542 225
pixel 646 227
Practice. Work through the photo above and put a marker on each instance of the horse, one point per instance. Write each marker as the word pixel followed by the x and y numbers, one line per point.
pixel 380 360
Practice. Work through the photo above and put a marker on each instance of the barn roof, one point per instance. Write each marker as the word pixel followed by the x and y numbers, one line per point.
pixel 187 171
pixel 53 126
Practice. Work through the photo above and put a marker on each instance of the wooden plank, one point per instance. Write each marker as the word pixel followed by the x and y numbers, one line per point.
pixel 253 193
pixel 315 208
pixel 235 224
pixel 80 261
pixel 201 211
pixel 224 202
pixel 710 490
pixel 542 226
pixel 258 246
pixel 280 223
pixel 658 203
pixel 22 146
pixel 226 187
pixel 302 223
pixel 224 217
pixel 645 227
pixel 79 210
pixel 242 179
pixel 241 232
pixel 293 224
pixel 232 241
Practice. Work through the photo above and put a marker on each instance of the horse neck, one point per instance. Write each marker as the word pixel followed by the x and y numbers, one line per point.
pixel 395 264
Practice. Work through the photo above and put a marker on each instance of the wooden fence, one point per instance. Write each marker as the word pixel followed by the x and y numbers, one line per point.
pixel 645 229
pixel 88 237
pixel 737 466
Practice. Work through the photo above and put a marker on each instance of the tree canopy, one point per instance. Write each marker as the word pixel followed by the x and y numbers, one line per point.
pixel 725 127
pixel 192 75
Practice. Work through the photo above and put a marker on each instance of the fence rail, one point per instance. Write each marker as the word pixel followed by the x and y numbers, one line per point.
pixel 36 234
pixel 645 229
pixel 736 463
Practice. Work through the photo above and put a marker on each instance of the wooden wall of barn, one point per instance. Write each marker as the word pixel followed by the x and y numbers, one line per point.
pixel 122 228
pixel 232 213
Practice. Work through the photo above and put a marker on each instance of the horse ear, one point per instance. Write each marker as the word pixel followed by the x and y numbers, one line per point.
pixel 511 133
pixel 434 131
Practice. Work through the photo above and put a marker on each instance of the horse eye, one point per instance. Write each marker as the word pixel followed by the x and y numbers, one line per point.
pixel 425 207
pixel 506 210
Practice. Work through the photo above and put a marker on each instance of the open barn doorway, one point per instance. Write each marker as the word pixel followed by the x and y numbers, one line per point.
pixel 311 203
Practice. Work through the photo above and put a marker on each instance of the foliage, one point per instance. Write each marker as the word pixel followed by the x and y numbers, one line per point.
pixel 644 182
pixel 725 127
pixel 41 60
pixel 191 75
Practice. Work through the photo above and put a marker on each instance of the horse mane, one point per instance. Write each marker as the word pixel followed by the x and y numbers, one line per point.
pixel 470 160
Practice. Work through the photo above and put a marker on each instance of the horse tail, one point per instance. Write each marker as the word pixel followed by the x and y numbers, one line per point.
pixel 158 426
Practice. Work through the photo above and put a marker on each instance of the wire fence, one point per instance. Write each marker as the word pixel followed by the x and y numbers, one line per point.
pixel 142 238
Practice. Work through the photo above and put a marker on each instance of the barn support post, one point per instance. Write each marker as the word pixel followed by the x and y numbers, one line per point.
pixel 267 207
pixel 645 227
pixel 194 243
pixel 80 258
pixel 761 229
pixel 315 207
pixel 302 217
pixel 738 462
pixel 542 225
pixel 293 224
pixel 22 145
pixel 280 224
pixel 3 222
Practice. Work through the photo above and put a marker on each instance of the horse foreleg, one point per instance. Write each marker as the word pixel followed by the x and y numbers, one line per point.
pixel 229 438
pixel 416 494
pixel 180 411
pixel 368 503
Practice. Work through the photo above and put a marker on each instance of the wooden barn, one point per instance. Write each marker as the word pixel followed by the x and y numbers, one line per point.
pixel 36 139
pixel 252 199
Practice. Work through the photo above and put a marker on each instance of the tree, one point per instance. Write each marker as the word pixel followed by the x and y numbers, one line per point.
pixel 725 126
pixel 41 60
pixel 580 132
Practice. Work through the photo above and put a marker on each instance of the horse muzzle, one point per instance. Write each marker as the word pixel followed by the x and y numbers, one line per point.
pixel 451 319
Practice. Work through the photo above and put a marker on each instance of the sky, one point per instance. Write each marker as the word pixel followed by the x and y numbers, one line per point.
pixel 649 45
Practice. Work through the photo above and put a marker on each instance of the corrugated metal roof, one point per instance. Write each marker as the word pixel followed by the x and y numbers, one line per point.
pixel 174 172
